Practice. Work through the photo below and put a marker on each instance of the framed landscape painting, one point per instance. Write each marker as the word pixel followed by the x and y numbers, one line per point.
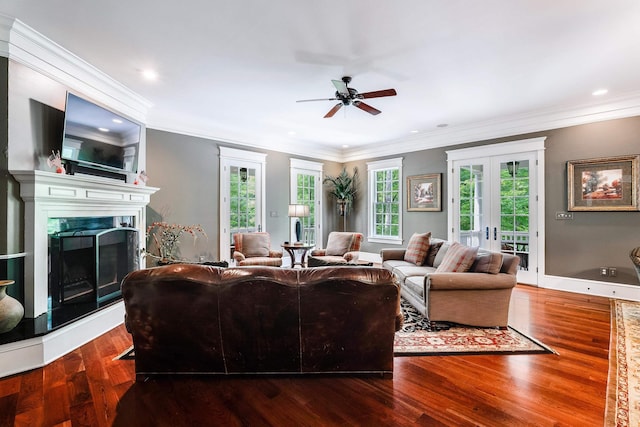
pixel 603 184
pixel 424 192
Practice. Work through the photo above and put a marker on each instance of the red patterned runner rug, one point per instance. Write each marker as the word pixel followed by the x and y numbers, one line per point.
pixel 623 389
pixel 417 339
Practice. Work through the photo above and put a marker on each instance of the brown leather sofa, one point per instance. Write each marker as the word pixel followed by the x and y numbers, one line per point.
pixel 192 319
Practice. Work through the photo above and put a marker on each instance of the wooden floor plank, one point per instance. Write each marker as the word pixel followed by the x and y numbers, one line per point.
pixel 87 387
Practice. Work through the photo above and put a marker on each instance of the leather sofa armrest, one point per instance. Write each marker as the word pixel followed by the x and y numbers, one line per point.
pixel 238 256
pixel 318 252
pixel 457 281
pixel 392 253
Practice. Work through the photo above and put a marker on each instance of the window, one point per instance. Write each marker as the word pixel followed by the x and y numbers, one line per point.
pixel 385 201
pixel 306 189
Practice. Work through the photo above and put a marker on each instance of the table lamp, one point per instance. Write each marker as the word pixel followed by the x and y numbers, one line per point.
pixel 298 211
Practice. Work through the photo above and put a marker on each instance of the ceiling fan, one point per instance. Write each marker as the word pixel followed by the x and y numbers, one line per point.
pixel 349 96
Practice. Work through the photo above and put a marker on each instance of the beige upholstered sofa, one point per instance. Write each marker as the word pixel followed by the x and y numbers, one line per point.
pixel 479 296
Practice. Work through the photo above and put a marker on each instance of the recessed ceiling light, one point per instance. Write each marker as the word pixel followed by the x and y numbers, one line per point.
pixel 103 129
pixel 599 92
pixel 116 121
pixel 345 146
pixel 414 131
pixel 149 74
pixel 291 132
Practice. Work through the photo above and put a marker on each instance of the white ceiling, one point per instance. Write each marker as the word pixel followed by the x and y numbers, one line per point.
pixel 233 70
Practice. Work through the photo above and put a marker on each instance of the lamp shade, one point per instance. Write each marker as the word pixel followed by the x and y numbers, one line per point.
pixel 298 211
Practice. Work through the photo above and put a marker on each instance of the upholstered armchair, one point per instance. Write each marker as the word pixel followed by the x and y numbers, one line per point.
pixel 255 249
pixel 342 248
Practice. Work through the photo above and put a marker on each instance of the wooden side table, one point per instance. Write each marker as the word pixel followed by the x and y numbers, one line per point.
pixel 292 248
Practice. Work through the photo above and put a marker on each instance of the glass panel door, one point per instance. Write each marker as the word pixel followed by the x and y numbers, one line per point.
pixel 494 207
pixel 241 195
pixel 472 209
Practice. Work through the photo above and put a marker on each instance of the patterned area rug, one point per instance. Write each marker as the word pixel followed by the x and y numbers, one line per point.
pixel 623 389
pixel 417 338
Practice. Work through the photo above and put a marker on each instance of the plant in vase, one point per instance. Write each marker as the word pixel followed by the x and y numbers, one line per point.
pixel 165 239
pixel 344 188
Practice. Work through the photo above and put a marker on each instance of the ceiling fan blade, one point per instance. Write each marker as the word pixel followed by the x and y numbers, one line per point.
pixel 333 110
pixel 341 86
pixel 366 107
pixel 317 99
pixel 378 93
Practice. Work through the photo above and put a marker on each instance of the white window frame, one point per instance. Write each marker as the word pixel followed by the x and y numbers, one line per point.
pixel 310 168
pixel 372 168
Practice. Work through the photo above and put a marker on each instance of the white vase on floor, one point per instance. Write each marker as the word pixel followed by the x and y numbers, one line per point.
pixel 11 311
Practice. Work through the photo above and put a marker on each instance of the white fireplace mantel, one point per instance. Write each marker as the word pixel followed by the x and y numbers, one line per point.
pixel 50 195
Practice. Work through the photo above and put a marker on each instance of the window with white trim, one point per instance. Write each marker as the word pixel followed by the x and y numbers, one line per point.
pixel 385 201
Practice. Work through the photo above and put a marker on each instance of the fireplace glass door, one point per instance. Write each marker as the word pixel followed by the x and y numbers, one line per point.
pixel 89 265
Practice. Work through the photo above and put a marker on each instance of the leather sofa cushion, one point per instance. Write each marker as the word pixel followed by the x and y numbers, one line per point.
pixel 417 248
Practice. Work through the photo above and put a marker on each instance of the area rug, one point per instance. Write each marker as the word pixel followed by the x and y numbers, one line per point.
pixel 417 338
pixel 623 389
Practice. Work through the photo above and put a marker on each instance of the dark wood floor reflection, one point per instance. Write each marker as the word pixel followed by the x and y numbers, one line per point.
pixel 88 388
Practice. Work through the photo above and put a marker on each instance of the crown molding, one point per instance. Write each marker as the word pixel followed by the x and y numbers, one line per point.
pixel 21 43
pixel 538 121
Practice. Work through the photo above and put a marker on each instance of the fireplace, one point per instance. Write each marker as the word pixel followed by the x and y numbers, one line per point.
pixel 88 262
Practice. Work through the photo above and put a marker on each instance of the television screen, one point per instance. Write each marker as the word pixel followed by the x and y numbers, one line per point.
pixel 99 138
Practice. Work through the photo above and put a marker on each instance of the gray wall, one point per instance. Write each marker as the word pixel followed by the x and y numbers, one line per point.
pixel 574 248
pixel 187 171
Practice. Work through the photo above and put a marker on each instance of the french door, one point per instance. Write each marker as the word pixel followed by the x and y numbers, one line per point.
pixel 241 195
pixel 496 203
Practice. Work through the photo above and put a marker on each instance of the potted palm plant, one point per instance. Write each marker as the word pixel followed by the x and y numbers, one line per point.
pixel 344 188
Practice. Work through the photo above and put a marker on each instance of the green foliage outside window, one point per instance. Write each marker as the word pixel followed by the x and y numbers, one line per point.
pixel 387 202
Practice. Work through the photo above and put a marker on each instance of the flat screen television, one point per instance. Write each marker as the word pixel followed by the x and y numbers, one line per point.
pixel 97 138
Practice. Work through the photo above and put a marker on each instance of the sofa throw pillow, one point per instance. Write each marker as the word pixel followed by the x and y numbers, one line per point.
pixel 434 247
pixel 255 244
pixel 458 259
pixel 441 254
pixel 487 262
pixel 339 243
pixel 417 248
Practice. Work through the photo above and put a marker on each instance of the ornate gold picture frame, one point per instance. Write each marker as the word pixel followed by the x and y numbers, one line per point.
pixel 424 192
pixel 603 184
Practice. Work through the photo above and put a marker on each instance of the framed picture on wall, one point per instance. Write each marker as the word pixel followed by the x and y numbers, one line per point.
pixel 424 192
pixel 603 184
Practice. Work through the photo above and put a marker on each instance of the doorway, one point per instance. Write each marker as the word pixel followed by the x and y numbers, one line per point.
pixel 497 201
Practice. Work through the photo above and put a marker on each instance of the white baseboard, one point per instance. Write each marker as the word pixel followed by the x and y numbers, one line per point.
pixel 592 287
pixel 37 352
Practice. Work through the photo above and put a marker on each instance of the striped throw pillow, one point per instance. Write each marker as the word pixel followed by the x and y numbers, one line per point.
pixel 458 259
pixel 417 248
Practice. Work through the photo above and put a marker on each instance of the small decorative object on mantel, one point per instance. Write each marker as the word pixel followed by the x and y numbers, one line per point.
pixel 166 239
pixel 141 179
pixel 11 311
pixel 54 161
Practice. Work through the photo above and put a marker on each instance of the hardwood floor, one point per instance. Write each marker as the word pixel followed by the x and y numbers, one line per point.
pixel 88 388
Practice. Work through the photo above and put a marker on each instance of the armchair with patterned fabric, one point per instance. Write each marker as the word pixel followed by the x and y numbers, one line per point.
pixel 342 247
pixel 255 249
